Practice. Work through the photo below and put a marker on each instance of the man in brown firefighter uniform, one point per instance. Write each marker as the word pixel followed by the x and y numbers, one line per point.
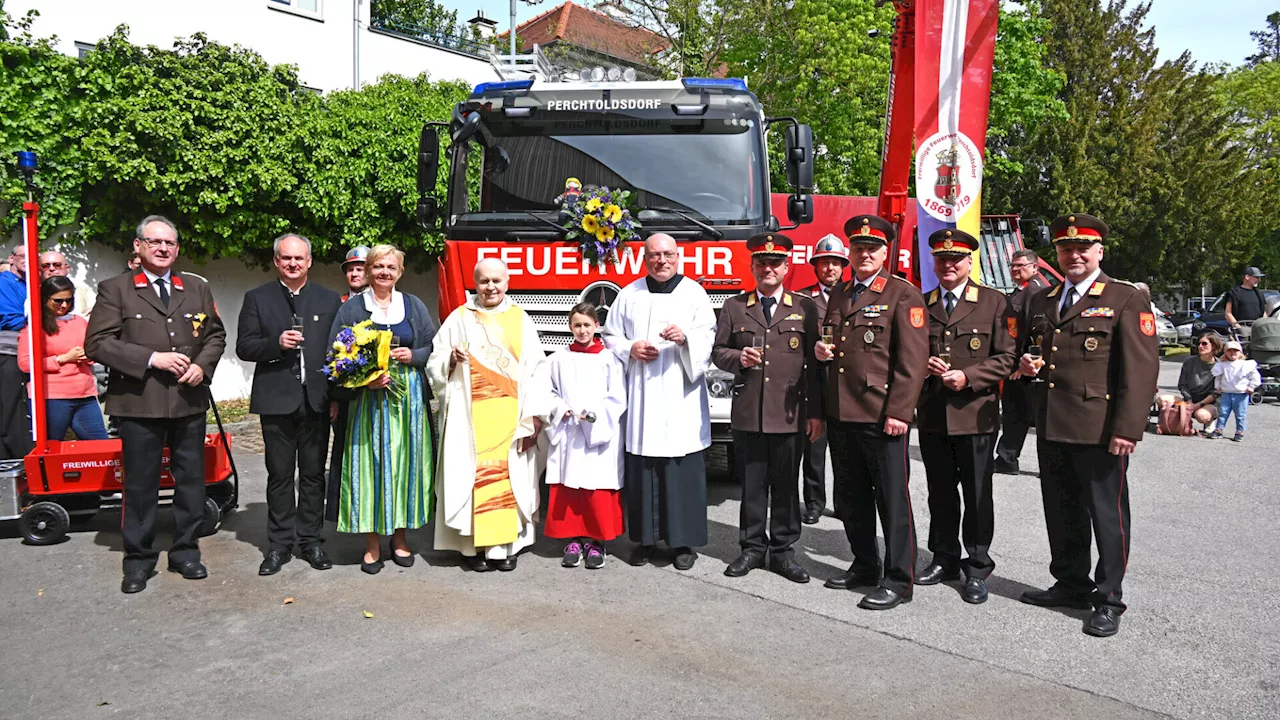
pixel 829 259
pixel 973 343
pixel 878 361
pixel 160 334
pixel 766 339
pixel 1092 340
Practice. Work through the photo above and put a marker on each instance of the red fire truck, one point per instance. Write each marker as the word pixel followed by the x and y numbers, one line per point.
pixel 694 151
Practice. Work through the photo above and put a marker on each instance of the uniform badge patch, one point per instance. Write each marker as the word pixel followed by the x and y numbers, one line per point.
pixel 1012 324
pixel 1147 323
pixel 971 294
pixel 878 284
pixel 917 317
pixel 1091 344
pixel 794 316
pixel 140 281
pixel 795 343
pixel 1092 312
pixel 176 282
pixel 869 337
pixel 975 343
pixel 1096 289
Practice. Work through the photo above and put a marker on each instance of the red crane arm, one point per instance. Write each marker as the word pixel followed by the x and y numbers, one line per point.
pixel 899 131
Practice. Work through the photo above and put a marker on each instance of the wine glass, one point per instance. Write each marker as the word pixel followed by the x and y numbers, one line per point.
pixel 757 342
pixel 395 342
pixel 945 355
pixel 297 327
pixel 1036 351
pixel 828 334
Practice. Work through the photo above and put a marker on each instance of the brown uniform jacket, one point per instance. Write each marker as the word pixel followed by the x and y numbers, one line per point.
pixel 814 293
pixel 784 392
pixel 1101 358
pixel 130 322
pixel 882 351
pixel 981 335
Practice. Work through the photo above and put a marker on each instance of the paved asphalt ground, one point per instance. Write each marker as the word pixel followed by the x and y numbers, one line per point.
pixel 1200 638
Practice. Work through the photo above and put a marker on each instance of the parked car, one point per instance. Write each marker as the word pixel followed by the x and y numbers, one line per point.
pixel 1216 317
pixel 1165 329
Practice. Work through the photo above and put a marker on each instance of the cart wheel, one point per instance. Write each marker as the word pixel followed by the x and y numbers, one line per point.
pixel 1256 398
pixel 212 518
pixel 44 523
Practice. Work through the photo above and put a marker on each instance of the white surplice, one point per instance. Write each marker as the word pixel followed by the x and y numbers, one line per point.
pixel 667 412
pixel 586 455
pixel 456 451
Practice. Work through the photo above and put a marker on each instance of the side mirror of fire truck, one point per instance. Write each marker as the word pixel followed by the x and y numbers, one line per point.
pixel 800 209
pixel 800 158
pixel 428 171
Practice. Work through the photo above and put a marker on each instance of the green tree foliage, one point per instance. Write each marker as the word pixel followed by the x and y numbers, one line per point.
pixel 1268 41
pixel 234 150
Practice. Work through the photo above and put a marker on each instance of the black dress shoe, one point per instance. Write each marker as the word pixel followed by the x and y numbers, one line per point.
pixel 191 570
pixel 882 598
pixel 811 515
pixel 790 569
pixel 975 591
pixel 1004 467
pixel 853 578
pixel 273 561
pixel 402 560
pixel 685 558
pixel 506 564
pixel 477 563
pixel 1104 622
pixel 134 582
pixel 371 568
pixel 641 555
pixel 1056 597
pixel 743 564
pixel 317 557
pixel 937 573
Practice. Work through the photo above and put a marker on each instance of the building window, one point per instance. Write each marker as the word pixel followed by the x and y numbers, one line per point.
pixel 83 49
pixel 307 8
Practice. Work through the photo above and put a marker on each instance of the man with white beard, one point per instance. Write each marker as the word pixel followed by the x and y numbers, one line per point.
pixel 662 327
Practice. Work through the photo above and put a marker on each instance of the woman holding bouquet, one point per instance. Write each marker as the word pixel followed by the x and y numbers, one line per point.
pixel 387 467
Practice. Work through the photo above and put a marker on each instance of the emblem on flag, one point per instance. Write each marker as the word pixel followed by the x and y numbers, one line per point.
pixel 947 185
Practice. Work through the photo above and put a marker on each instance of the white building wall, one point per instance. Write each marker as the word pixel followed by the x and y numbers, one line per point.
pixel 322 48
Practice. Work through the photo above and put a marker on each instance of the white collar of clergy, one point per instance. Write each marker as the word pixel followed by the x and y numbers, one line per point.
pixel 389 316
pixel 474 303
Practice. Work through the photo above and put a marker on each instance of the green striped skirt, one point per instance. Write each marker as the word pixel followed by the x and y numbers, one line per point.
pixel 389 463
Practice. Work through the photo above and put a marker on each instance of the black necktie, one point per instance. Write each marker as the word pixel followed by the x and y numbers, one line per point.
pixel 164 291
pixel 857 290
pixel 949 302
pixel 768 304
pixel 1072 296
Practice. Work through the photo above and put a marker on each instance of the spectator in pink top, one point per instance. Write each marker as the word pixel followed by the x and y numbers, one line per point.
pixel 72 391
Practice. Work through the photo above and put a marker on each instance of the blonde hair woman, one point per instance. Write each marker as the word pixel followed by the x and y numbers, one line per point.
pixel 387 467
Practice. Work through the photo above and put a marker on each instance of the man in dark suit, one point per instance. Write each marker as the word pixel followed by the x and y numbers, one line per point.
pixel 160 335
pixel 290 394
pixel 1099 358
pixel 1016 410
pixel 876 369
pixel 829 259
pixel 973 335
pixel 776 402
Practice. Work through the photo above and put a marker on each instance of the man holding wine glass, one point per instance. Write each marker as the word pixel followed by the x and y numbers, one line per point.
pixel 766 338
pixel 877 366
pixel 973 335
pixel 291 397
pixel 1099 359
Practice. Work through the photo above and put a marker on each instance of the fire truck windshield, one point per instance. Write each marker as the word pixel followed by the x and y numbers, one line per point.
pixel 712 168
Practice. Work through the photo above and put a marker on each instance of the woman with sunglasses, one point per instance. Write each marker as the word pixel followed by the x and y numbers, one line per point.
pixel 1195 382
pixel 72 390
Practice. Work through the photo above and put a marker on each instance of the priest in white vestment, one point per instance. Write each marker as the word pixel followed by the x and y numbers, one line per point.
pixel 662 327
pixel 488 371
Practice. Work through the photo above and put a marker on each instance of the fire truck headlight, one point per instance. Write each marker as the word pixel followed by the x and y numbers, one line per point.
pixel 597 74
pixel 719 383
pixel 629 75
pixel 614 74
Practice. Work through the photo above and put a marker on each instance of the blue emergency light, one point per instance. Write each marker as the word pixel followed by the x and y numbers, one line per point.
pixel 505 85
pixel 26 160
pixel 714 84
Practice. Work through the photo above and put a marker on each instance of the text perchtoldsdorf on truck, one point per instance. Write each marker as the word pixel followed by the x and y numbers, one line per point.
pixel 693 152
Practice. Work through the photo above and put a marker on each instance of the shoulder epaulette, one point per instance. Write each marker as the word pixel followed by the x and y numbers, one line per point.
pixel 198 277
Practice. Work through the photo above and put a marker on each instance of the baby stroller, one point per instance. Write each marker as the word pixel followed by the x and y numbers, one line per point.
pixel 1264 348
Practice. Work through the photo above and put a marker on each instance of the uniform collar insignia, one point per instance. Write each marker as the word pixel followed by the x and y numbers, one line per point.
pixel 933 296
pixel 140 281
pixel 786 299
pixel 1054 291
pixel 878 284
pixel 751 299
pixel 1096 289
pixel 971 294
pixel 176 282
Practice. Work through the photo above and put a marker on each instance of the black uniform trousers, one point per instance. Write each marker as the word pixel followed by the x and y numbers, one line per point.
pixel 15 418
pixel 297 441
pixel 1080 484
pixel 814 467
pixel 334 494
pixel 1017 412
pixel 871 473
pixel 955 466
pixel 142 442
pixel 666 499
pixel 767 464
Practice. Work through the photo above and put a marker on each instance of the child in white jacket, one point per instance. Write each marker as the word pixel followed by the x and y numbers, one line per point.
pixel 1236 379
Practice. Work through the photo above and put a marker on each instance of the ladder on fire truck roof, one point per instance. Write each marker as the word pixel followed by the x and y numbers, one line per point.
pixel 522 65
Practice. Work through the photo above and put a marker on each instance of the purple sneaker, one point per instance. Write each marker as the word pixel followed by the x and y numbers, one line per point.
pixel 572 554
pixel 595 555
